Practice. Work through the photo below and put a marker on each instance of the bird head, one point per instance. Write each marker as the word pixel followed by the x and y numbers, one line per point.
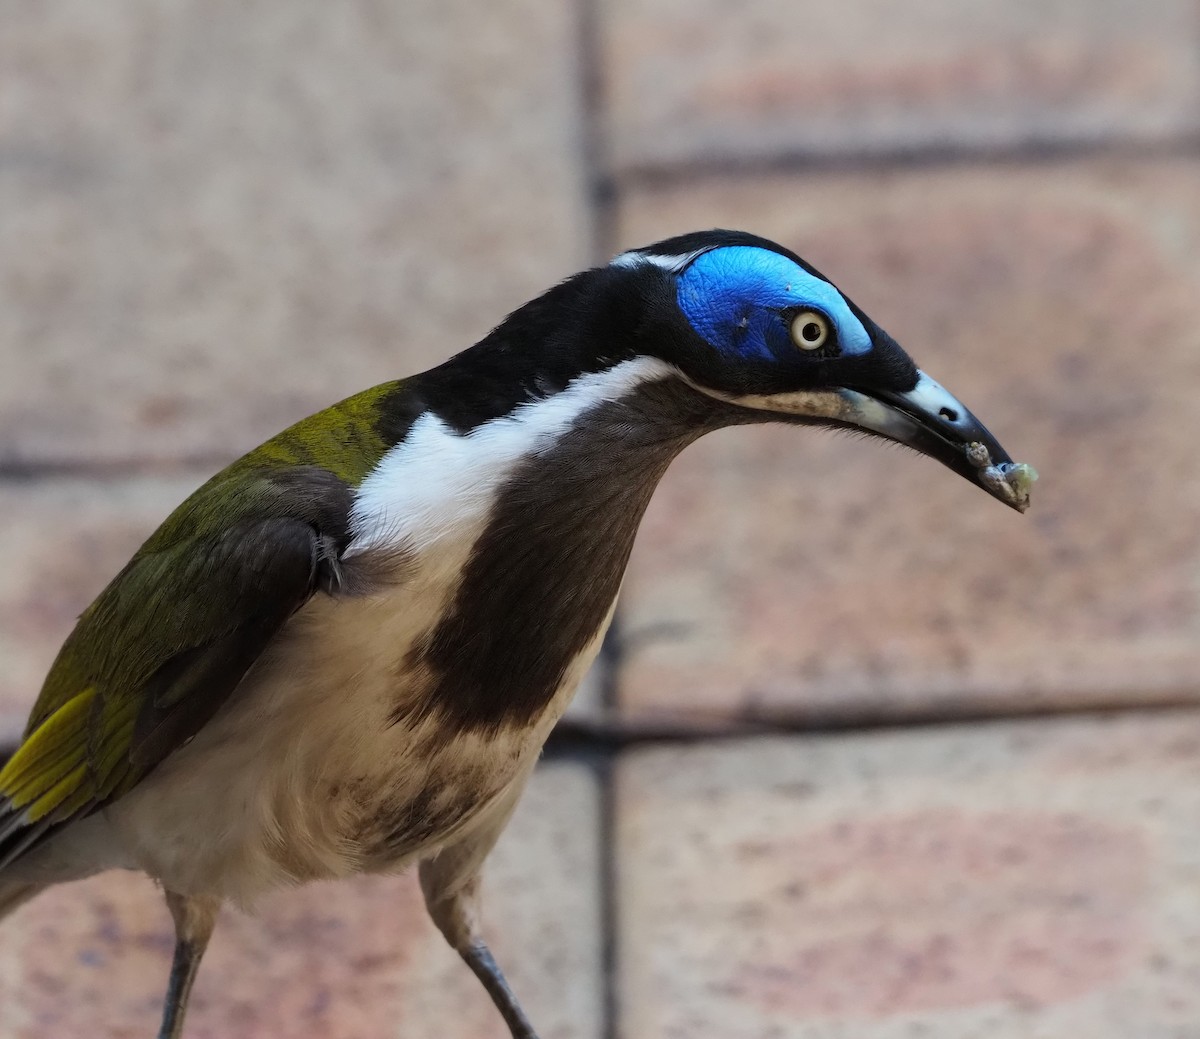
pixel 747 322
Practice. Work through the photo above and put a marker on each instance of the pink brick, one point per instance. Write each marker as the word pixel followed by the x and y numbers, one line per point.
pixel 1018 880
pixel 689 80
pixel 216 219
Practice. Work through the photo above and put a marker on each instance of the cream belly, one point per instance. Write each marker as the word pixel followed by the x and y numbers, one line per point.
pixel 304 775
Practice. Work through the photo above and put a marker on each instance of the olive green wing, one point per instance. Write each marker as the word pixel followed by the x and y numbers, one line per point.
pixel 170 639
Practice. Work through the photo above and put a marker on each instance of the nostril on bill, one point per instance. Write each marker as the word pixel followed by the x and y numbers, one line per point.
pixel 949 414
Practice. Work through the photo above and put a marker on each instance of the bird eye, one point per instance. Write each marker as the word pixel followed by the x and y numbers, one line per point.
pixel 810 330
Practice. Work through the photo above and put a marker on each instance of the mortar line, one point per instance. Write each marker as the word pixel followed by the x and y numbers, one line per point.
pixel 672 173
pixel 598 185
pixel 600 199
pixel 582 736
pixel 63 468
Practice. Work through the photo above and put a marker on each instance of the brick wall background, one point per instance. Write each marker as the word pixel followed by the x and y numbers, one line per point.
pixel 871 756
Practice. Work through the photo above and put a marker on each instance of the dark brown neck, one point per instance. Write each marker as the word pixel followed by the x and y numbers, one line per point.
pixel 543 576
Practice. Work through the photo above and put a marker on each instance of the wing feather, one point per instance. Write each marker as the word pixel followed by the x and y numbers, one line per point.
pixel 170 639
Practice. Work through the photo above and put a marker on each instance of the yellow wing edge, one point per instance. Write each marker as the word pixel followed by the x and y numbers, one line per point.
pixel 72 759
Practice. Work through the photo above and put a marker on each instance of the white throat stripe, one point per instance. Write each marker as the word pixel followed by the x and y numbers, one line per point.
pixel 437 481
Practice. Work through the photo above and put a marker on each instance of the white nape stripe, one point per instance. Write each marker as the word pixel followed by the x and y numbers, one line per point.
pixel 674 264
pixel 437 481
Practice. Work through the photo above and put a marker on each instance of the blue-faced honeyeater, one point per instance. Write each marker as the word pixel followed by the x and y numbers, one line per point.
pixel 344 652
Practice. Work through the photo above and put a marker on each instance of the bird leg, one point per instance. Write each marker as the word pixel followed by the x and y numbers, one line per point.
pixel 195 918
pixel 457 919
pixel 450 882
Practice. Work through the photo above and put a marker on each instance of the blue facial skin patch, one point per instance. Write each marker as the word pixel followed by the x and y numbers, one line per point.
pixel 733 295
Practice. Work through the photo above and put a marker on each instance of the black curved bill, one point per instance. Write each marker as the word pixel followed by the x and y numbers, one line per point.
pixel 930 419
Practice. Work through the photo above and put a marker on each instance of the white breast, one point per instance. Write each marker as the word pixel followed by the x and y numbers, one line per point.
pixel 439 483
